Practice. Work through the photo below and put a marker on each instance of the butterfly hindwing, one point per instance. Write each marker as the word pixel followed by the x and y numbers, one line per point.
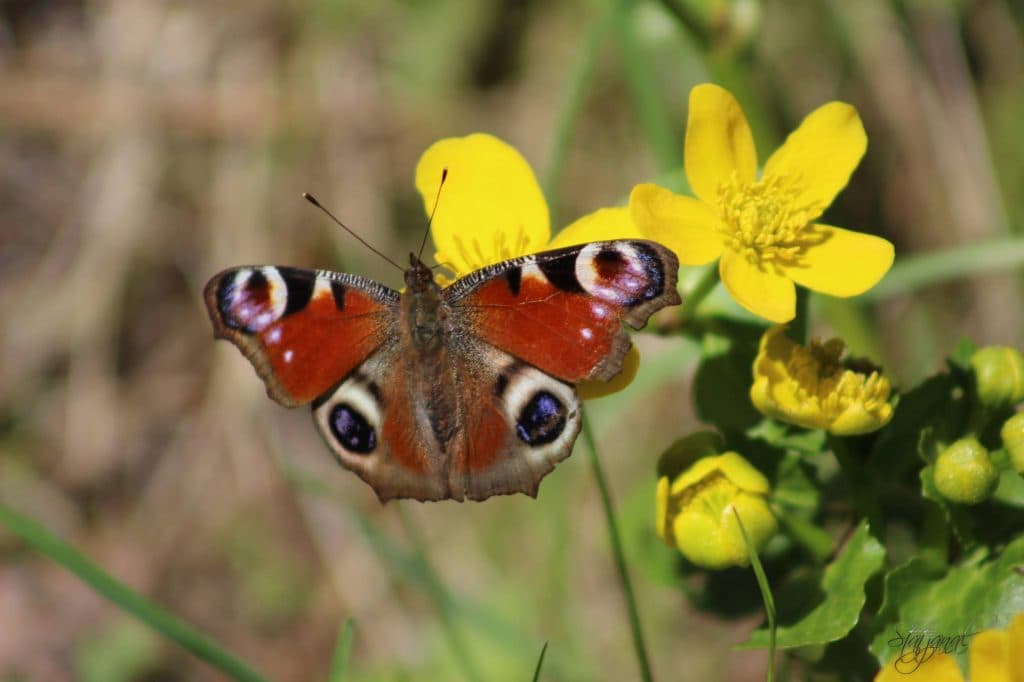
pixel 303 330
pixel 476 423
pixel 562 310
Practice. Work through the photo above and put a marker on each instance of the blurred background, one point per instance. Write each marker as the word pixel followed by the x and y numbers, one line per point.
pixel 145 146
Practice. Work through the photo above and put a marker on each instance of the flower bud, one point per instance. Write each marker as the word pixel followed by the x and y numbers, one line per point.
pixel 1013 440
pixel 964 473
pixel 999 373
pixel 697 511
pixel 810 387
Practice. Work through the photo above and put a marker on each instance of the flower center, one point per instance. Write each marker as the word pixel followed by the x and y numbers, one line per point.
pixel 763 219
pixel 822 378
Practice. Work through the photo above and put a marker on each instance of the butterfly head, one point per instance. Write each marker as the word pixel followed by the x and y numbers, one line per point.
pixel 418 277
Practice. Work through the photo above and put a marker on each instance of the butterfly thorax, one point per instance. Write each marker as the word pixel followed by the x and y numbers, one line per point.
pixel 423 312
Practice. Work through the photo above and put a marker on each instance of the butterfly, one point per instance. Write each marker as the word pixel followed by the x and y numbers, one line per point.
pixel 465 391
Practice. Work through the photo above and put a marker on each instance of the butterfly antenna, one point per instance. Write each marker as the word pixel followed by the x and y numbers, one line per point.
pixel 430 221
pixel 311 199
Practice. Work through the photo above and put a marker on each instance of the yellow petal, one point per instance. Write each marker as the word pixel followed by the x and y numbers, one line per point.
pixel 718 142
pixel 687 226
pixel 857 419
pixel 589 390
pixel 661 520
pixel 821 153
pixel 940 667
pixel 841 262
pixel 989 657
pixel 491 207
pixel 601 225
pixel 761 292
pixel 1016 646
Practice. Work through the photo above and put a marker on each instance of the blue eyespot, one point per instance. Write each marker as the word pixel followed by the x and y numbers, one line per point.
pixel 352 430
pixel 542 419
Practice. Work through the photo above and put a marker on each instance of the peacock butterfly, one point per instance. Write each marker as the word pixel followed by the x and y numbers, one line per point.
pixel 454 392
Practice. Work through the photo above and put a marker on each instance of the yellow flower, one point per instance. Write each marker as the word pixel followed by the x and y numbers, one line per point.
pixel 808 386
pixel 492 209
pixel 993 656
pixel 696 510
pixel 763 229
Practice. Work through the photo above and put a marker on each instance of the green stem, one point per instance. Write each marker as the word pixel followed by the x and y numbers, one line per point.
pixel 863 491
pixel 703 287
pixel 818 543
pixel 441 597
pixel 125 598
pixel 620 556
pixel 579 85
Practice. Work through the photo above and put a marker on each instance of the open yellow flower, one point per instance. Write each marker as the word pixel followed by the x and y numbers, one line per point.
pixel 993 656
pixel 696 510
pixel 809 386
pixel 492 209
pixel 764 230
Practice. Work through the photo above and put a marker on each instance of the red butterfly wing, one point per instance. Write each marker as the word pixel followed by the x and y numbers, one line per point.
pixel 562 311
pixel 303 330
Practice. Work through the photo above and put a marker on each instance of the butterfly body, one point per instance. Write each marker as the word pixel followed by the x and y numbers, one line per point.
pixel 459 392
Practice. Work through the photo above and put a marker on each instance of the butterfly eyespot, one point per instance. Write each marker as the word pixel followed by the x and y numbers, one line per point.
pixel 352 430
pixel 541 420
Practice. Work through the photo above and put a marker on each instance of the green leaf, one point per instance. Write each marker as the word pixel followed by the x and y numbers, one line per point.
pixel 721 386
pixel 794 485
pixel 938 402
pixel 822 607
pixel 1010 490
pixel 970 597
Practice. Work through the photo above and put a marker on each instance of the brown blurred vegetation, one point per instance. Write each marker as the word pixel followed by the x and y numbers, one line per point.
pixel 145 145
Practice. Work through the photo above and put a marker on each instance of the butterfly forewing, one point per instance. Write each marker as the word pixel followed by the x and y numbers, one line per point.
pixel 303 330
pixel 562 311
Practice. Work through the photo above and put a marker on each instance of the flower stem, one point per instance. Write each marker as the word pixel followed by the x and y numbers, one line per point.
pixel 704 286
pixel 620 556
pixel 863 491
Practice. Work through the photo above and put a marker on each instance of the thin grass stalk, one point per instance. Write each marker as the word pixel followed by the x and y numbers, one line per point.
pixel 540 662
pixel 639 646
pixel 766 595
pixel 342 651
pixel 127 599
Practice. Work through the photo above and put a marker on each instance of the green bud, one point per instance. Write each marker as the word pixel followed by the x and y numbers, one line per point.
pixel 964 472
pixel 999 372
pixel 1013 440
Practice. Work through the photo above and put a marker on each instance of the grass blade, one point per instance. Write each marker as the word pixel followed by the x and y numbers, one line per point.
pixel 766 595
pixel 540 662
pixel 124 597
pixel 342 651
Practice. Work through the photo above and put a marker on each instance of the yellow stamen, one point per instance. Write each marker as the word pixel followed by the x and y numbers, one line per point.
pixel 763 221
